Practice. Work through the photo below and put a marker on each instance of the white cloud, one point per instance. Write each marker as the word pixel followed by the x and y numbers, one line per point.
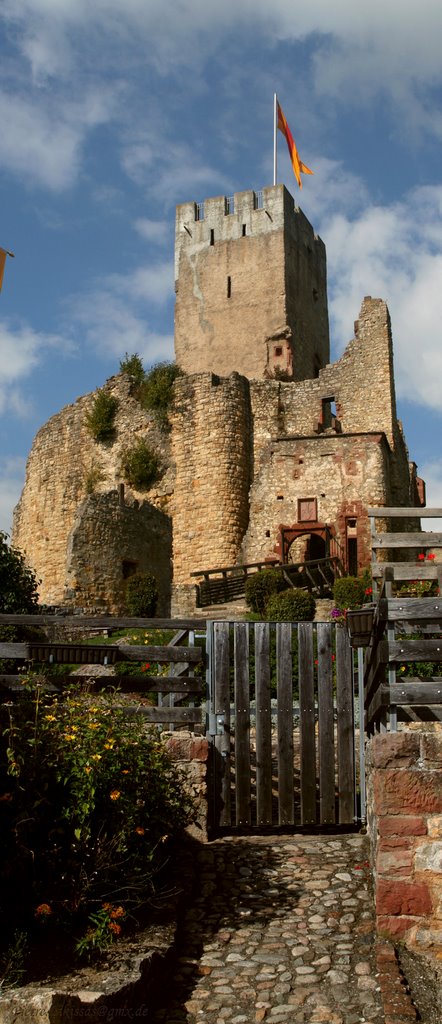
pixel 12 472
pixel 155 231
pixel 390 252
pixel 112 326
pixel 22 349
pixel 151 283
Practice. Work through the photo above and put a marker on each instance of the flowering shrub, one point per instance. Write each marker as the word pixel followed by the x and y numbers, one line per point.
pixel 89 800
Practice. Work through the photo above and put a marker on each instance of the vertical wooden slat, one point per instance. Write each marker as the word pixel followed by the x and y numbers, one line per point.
pixel 285 722
pixel 263 725
pixel 242 725
pixel 307 723
pixel 222 713
pixel 326 725
pixel 345 745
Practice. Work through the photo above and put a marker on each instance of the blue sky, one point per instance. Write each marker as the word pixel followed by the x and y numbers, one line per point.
pixel 113 113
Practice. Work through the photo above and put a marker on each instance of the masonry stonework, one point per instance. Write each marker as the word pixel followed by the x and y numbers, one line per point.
pixel 272 451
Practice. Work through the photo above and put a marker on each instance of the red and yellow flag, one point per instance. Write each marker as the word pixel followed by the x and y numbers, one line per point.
pixel 297 164
pixel 3 254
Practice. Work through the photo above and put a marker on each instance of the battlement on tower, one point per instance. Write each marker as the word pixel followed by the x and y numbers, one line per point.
pixel 251 287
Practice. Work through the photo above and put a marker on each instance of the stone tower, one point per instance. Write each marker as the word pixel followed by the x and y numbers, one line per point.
pixel 251 288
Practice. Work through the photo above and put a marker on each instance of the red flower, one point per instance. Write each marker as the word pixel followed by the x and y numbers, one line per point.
pixel 430 558
pixel 146 667
pixel 421 558
pixel 369 590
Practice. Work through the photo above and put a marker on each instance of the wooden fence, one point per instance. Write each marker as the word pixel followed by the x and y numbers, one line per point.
pixel 293 763
pixel 407 624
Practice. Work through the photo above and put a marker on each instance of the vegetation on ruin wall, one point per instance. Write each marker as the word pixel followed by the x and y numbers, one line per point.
pixel 89 802
pixel 154 389
pixel 140 466
pixel 18 595
pixel 100 418
pixel 142 594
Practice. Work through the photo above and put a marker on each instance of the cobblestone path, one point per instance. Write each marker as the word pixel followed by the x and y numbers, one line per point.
pixel 279 929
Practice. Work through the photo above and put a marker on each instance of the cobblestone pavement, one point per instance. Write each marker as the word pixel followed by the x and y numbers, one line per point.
pixel 278 929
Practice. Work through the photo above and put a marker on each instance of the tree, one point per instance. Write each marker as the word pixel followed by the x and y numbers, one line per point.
pixel 18 583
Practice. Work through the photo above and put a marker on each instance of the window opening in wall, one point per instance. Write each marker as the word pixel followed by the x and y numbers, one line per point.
pixel 280 497
pixel 199 211
pixel 229 204
pixel 229 287
pixel 278 351
pixel 244 231
pixel 267 533
pixel 316 366
pixel 329 414
pixel 352 556
pixel 128 568
pixel 212 236
pixel 258 199
pixel 307 510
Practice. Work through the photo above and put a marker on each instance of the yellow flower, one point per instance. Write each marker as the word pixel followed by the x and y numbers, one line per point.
pixel 139 831
pixel 69 736
pixel 93 725
pixel 110 745
pixel 96 757
pixel 88 768
pixel 118 912
pixel 115 795
pixel 50 718
pixel 125 771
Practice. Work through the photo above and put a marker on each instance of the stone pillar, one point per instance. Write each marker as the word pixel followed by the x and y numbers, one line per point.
pixel 191 754
pixel 405 824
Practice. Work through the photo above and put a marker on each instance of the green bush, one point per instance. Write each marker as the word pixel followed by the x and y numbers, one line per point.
pixel 133 366
pixel 18 583
pixel 261 586
pixel 291 605
pixel 349 592
pixel 100 419
pixel 92 800
pixel 156 391
pixel 140 466
pixel 141 594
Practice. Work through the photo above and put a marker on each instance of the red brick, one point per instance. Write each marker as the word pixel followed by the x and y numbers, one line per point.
pixel 395 927
pixel 402 898
pixel 407 791
pixel 402 825
pixel 396 750
pixel 432 750
pixel 396 843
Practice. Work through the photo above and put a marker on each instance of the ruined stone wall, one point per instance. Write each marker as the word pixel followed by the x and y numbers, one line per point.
pixel 343 474
pixel 251 291
pixel 63 460
pixel 111 539
pixel 211 451
pixel 405 823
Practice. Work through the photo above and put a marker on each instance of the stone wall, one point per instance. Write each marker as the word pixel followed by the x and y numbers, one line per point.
pixel 64 463
pixel 405 823
pixel 251 289
pixel 191 754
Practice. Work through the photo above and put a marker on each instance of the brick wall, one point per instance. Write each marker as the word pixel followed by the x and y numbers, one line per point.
pixel 405 823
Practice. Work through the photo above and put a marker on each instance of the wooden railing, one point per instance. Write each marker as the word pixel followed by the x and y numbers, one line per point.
pixel 218 586
pixel 403 662
pixel 178 685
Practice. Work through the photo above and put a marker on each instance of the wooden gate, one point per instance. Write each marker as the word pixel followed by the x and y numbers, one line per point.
pixel 281 721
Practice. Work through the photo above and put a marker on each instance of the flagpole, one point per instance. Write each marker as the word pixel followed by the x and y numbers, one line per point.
pixel 275 152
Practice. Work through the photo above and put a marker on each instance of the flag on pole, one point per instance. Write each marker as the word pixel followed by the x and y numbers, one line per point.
pixel 3 254
pixel 297 164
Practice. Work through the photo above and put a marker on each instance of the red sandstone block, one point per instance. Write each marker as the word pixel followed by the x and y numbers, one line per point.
pixel 431 749
pixel 402 825
pixel 396 843
pixel 413 791
pixel 395 927
pixel 395 750
pixel 398 897
pixel 188 748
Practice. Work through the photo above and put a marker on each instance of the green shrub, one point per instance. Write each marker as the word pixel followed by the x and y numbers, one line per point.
pixel 156 391
pixel 18 583
pixel 140 466
pixel 291 605
pixel 92 800
pixel 261 586
pixel 141 594
pixel 93 476
pixel 133 366
pixel 349 592
pixel 100 419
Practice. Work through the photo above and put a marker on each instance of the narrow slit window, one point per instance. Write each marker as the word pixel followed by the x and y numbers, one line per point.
pixel 212 236
pixel 229 287
pixel 244 231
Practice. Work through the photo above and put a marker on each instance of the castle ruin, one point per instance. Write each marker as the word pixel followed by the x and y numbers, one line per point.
pixel 272 452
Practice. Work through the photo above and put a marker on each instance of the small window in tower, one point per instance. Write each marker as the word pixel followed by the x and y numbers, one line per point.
pixel 128 568
pixel 229 204
pixel 328 412
pixel 267 533
pixel 212 236
pixel 307 510
pixel 278 351
pixel 199 211
pixel 258 200
pixel 229 287
pixel 244 231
